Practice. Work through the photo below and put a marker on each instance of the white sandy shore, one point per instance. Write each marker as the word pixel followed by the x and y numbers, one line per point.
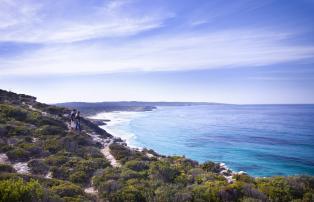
pixel 117 118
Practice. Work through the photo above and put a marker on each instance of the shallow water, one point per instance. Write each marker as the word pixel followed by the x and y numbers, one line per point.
pixel 263 140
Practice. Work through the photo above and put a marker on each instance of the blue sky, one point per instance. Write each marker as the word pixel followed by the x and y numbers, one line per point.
pixel 163 50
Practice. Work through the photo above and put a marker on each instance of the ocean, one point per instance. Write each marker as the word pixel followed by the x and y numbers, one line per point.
pixel 262 140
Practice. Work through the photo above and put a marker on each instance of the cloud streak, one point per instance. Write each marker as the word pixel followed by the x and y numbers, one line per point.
pixel 224 49
pixel 113 36
pixel 31 22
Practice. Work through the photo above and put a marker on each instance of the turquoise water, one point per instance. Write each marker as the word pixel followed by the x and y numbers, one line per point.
pixel 262 140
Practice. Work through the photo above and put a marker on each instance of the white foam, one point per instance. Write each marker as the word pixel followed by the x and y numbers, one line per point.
pixel 117 119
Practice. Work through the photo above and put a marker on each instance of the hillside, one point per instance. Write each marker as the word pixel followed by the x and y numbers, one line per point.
pixel 42 160
pixel 91 108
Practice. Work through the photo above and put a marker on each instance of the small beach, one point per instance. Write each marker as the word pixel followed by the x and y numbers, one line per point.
pixel 116 120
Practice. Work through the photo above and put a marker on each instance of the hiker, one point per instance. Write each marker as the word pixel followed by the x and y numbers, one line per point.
pixel 73 123
pixel 78 121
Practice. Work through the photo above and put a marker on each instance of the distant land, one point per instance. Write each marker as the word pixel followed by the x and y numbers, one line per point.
pixel 91 108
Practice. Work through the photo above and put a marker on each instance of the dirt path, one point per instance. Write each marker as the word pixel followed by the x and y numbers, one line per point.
pixel 106 150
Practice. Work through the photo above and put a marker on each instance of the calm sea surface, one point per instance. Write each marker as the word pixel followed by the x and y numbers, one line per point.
pixel 263 140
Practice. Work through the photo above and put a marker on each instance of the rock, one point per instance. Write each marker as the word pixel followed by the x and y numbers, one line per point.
pixel 98 122
pixel 3 158
pixel 21 168
pixel 117 140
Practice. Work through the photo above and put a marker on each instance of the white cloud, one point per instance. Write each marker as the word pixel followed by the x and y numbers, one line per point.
pixel 41 21
pixel 230 48
pixel 64 30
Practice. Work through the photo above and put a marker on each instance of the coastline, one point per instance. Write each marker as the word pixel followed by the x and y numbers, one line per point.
pixel 110 120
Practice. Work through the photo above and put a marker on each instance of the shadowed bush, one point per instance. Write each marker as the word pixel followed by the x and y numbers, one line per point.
pixel 18 155
pixel 38 167
pixel 6 168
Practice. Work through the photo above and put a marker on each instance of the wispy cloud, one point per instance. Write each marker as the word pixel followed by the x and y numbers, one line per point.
pixel 225 49
pixel 65 31
pixel 31 22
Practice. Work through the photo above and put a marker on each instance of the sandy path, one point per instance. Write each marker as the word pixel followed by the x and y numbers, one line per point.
pixel 106 150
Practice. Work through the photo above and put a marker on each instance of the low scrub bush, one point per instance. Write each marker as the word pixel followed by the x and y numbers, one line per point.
pixel 18 154
pixel 12 190
pixel 137 165
pixel 67 189
pixel 6 168
pixel 51 130
pixel 38 167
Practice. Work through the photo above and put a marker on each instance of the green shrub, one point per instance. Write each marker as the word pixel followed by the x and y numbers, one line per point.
pixel 11 112
pixel 13 190
pixel 107 175
pixel 18 154
pixel 308 197
pixel 3 129
pixel 208 191
pixel 33 117
pixel 34 150
pixel 6 168
pixel 119 151
pixel 18 131
pixel 131 194
pixel 5 147
pixel 166 193
pixel 127 174
pixel 38 167
pixel 92 165
pixel 54 110
pixel 276 188
pixel 67 189
pixel 56 160
pixel 244 178
pixel 50 130
pixel 43 120
pixel 162 170
pixel 79 177
pixel 136 165
pixel 210 166
pixel 52 145
pixel 60 172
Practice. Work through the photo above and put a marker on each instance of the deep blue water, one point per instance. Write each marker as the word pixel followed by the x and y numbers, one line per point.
pixel 262 140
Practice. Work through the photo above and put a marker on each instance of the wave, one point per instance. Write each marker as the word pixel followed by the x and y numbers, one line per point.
pixel 117 120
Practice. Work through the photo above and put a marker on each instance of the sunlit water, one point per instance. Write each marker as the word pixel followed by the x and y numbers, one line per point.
pixel 263 140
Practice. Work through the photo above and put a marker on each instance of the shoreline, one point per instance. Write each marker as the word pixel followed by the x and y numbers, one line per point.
pixel 112 119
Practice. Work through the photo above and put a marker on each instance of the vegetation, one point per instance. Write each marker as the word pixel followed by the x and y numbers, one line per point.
pixel 36 133
pixel 17 190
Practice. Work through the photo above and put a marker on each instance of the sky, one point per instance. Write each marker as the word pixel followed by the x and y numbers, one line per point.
pixel 241 52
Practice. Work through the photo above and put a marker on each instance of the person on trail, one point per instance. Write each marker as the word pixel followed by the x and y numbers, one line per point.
pixel 78 121
pixel 72 122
